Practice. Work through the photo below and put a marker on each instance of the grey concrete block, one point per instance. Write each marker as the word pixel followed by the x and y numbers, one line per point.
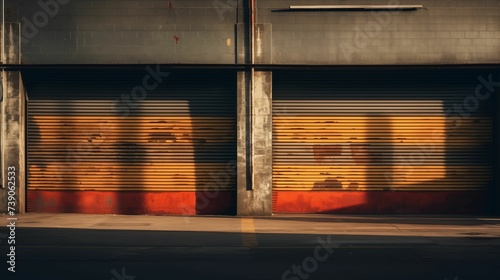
pixel 111 4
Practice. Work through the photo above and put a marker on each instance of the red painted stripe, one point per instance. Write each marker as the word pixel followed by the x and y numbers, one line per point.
pixel 354 202
pixel 224 203
pixel 154 203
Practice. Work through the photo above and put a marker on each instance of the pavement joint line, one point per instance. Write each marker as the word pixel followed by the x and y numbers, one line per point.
pixel 396 227
pixel 248 236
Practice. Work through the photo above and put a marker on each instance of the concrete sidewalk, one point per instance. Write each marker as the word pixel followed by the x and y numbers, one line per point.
pixel 418 227
pixel 54 246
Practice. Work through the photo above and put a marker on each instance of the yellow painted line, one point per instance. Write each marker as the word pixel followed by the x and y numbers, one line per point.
pixel 248 237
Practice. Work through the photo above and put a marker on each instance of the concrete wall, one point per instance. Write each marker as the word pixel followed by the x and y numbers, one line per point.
pixel 205 31
pixel 445 32
pixel 126 31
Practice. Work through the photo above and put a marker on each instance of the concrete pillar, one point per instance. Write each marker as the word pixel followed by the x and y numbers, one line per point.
pixel 255 145
pixel 13 127
pixel 255 125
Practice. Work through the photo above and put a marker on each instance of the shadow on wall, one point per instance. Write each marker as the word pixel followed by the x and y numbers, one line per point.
pixel 88 155
pixel 420 151
pixel 212 136
pixel 170 150
pixel 453 155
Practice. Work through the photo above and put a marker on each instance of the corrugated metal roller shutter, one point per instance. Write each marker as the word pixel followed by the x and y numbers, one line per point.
pixel 84 133
pixel 381 130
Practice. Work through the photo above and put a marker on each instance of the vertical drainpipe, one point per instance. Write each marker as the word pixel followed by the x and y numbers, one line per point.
pixel 252 87
pixel 252 35
pixel 3 34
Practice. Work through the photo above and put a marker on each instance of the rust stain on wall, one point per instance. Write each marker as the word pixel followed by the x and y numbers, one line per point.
pixel 329 183
pixel 322 152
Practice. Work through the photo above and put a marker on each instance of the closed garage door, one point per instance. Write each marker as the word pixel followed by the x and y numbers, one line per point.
pixel 385 141
pixel 131 141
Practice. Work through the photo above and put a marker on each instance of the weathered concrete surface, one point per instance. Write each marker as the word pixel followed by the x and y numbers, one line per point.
pixel 255 160
pixel 73 246
pixel 263 43
pixel 255 125
pixel 444 32
pixel 13 128
pixel 117 31
pixel 201 31
pixel 262 145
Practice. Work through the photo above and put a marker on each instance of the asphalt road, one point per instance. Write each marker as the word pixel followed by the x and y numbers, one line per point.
pixel 91 247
